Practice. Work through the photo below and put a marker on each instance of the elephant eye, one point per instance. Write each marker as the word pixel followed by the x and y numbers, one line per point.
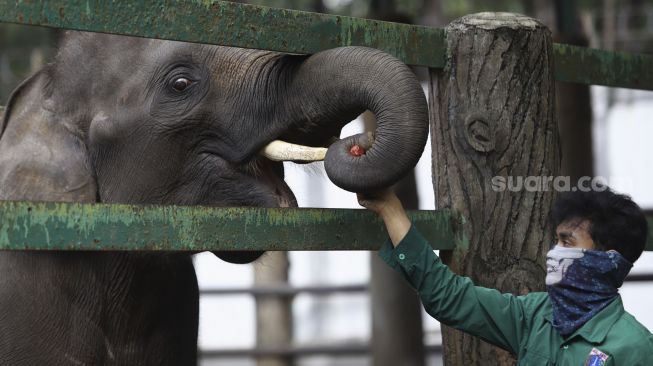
pixel 180 84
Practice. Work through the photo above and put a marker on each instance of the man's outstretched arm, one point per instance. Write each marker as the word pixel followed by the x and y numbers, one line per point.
pixel 500 319
pixel 388 206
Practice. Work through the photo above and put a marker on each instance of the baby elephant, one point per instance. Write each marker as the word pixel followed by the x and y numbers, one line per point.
pixel 130 120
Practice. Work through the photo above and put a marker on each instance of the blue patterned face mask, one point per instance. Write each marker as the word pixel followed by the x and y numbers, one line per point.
pixel 581 283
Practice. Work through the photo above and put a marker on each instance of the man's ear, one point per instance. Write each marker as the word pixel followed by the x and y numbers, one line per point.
pixel 43 156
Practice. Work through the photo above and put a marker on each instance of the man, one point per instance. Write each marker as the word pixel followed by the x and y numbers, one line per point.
pixel 580 320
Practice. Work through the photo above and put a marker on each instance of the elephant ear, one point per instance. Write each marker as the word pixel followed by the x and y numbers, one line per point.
pixel 43 156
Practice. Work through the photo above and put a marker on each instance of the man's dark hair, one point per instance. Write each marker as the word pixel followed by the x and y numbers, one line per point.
pixel 615 221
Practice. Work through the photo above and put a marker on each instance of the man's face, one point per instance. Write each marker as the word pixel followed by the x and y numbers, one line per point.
pixel 569 234
pixel 575 234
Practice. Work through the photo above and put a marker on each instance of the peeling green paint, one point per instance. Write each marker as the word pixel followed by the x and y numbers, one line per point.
pixel 75 226
pixel 249 26
pixel 231 24
pixel 591 66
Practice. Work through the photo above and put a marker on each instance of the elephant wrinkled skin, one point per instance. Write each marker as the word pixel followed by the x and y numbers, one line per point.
pixel 130 120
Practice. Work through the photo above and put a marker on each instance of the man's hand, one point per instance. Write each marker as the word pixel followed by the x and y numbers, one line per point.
pixel 382 203
pixel 387 205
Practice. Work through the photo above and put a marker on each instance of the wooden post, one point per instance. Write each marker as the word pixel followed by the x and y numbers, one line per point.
pixel 574 105
pixel 397 330
pixel 493 115
pixel 273 313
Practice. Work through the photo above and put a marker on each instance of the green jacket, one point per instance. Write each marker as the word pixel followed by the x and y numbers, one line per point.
pixel 518 324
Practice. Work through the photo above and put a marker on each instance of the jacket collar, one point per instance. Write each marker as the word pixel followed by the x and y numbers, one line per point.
pixel 596 329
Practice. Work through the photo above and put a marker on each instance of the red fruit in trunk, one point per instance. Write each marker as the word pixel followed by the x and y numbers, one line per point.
pixel 357 150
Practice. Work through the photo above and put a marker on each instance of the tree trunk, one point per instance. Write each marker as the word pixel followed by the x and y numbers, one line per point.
pixel 397 330
pixel 574 107
pixel 397 334
pixel 575 125
pixel 273 313
pixel 493 115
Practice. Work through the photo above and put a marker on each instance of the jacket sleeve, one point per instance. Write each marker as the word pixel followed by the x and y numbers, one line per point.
pixel 453 300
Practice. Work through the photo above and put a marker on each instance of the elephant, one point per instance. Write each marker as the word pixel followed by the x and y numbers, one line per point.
pixel 118 119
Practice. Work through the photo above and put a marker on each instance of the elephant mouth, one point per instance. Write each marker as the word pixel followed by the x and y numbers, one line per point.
pixel 270 174
pixel 267 165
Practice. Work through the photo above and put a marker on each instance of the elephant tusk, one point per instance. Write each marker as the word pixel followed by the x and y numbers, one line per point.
pixel 278 150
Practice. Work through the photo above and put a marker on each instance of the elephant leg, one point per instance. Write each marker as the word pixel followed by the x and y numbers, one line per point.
pixel 97 309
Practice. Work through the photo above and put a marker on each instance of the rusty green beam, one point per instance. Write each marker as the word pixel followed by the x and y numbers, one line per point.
pixel 592 66
pixel 249 26
pixel 75 226
pixel 231 24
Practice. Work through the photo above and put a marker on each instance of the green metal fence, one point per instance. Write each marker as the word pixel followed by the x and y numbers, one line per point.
pixel 249 26
pixel 75 226
pixel 62 226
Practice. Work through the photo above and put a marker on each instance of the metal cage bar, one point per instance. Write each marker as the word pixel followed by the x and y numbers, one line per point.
pixel 76 226
pixel 98 226
pixel 231 24
pixel 249 26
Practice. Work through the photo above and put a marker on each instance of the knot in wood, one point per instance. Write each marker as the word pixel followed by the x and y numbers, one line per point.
pixel 479 133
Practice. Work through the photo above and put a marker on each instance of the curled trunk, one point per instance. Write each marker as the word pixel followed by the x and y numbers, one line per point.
pixel 331 88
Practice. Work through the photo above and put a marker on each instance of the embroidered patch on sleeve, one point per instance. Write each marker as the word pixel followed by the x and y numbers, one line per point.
pixel 596 358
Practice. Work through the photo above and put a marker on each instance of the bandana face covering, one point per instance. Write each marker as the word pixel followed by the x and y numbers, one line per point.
pixel 581 283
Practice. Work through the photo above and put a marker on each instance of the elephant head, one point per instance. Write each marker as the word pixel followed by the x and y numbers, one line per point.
pixel 129 120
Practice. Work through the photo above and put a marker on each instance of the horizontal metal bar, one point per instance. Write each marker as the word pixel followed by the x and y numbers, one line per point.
pixel 232 24
pixel 325 290
pixel 347 349
pixel 249 26
pixel 75 226
pixel 592 66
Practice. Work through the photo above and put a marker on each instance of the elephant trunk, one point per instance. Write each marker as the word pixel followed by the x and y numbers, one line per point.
pixel 331 88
